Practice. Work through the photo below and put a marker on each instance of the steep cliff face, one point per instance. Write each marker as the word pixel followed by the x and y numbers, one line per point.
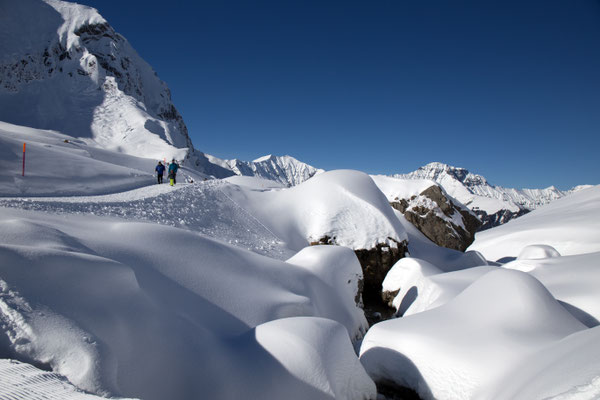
pixel 63 67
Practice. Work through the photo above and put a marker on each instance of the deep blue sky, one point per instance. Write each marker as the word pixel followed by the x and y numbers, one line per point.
pixel 509 89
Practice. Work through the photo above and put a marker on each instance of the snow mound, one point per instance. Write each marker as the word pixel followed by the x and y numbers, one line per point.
pixel 571 225
pixel 343 206
pixel 467 345
pixel 129 309
pixel 573 280
pixel 403 280
pixel 568 369
pixel 537 251
pixel 318 352
pixel 436 290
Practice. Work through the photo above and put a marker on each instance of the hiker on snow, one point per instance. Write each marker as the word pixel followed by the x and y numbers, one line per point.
pixel 173 167
pixel 160 171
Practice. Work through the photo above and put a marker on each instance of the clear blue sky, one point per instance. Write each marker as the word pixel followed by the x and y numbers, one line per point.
pixel 509 89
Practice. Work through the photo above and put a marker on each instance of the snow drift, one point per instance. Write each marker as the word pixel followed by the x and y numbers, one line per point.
pixel 144 310
pixel 467 345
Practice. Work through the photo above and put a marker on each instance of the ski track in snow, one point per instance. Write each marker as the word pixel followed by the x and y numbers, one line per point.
pixel 24 381
pixel 200 207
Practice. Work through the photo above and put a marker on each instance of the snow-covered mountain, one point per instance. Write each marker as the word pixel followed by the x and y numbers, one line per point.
pixel 64 68
pixel 495 205
pixel 283 169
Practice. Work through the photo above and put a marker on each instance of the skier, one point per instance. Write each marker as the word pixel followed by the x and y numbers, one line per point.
pixel 160 171
pixel 173 167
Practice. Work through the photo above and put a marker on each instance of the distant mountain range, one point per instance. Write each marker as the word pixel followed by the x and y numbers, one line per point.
pixel 494 205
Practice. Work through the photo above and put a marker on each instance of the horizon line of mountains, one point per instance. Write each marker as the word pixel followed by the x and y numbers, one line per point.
pixel 68 70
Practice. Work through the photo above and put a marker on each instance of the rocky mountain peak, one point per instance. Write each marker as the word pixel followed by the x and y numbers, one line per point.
pixel 72 72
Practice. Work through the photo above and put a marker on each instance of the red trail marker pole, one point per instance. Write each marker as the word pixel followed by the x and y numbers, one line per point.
pixel 23 159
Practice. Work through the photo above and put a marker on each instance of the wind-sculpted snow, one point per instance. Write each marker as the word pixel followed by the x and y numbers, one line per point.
pixel 467 345
pixel 343 205
pixel 150 311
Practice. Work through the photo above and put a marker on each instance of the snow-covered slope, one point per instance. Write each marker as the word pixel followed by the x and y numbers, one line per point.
pixel 571 225
pixel 494 204
pixel 283 169
pixel 73 73
pixel 57 164
pixel 64 68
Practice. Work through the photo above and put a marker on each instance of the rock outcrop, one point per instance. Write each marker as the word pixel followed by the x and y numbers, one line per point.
pixel 444 221
pixel 375 263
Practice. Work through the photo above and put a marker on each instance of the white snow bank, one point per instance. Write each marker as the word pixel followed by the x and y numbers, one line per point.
pixel 404 278
pixel 571 225
pixel 339 268
pixel 344 205
pixel 566 370
pixel 149 311
pixel 318 352
pixel 436 290
pixel 537 251
pixel 573 280
pixel 468 344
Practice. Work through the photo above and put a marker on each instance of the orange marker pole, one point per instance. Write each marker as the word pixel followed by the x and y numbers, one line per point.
pixel 23 159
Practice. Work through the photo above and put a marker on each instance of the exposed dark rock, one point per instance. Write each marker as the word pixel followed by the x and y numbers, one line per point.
pixel 400 205
pixel 392 391
pixel 377 262
pixel 94 30
pixel 498 218
pixel 440 230
pixel 388 297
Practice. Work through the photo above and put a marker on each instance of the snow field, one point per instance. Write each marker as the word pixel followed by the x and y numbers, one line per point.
pixel 571 225
pixel 111 305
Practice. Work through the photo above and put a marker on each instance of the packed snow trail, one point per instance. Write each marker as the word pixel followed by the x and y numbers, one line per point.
pixel 24 381
pixel 200 207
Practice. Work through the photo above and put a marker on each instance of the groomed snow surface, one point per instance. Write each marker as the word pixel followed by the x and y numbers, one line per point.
pixel 111 285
